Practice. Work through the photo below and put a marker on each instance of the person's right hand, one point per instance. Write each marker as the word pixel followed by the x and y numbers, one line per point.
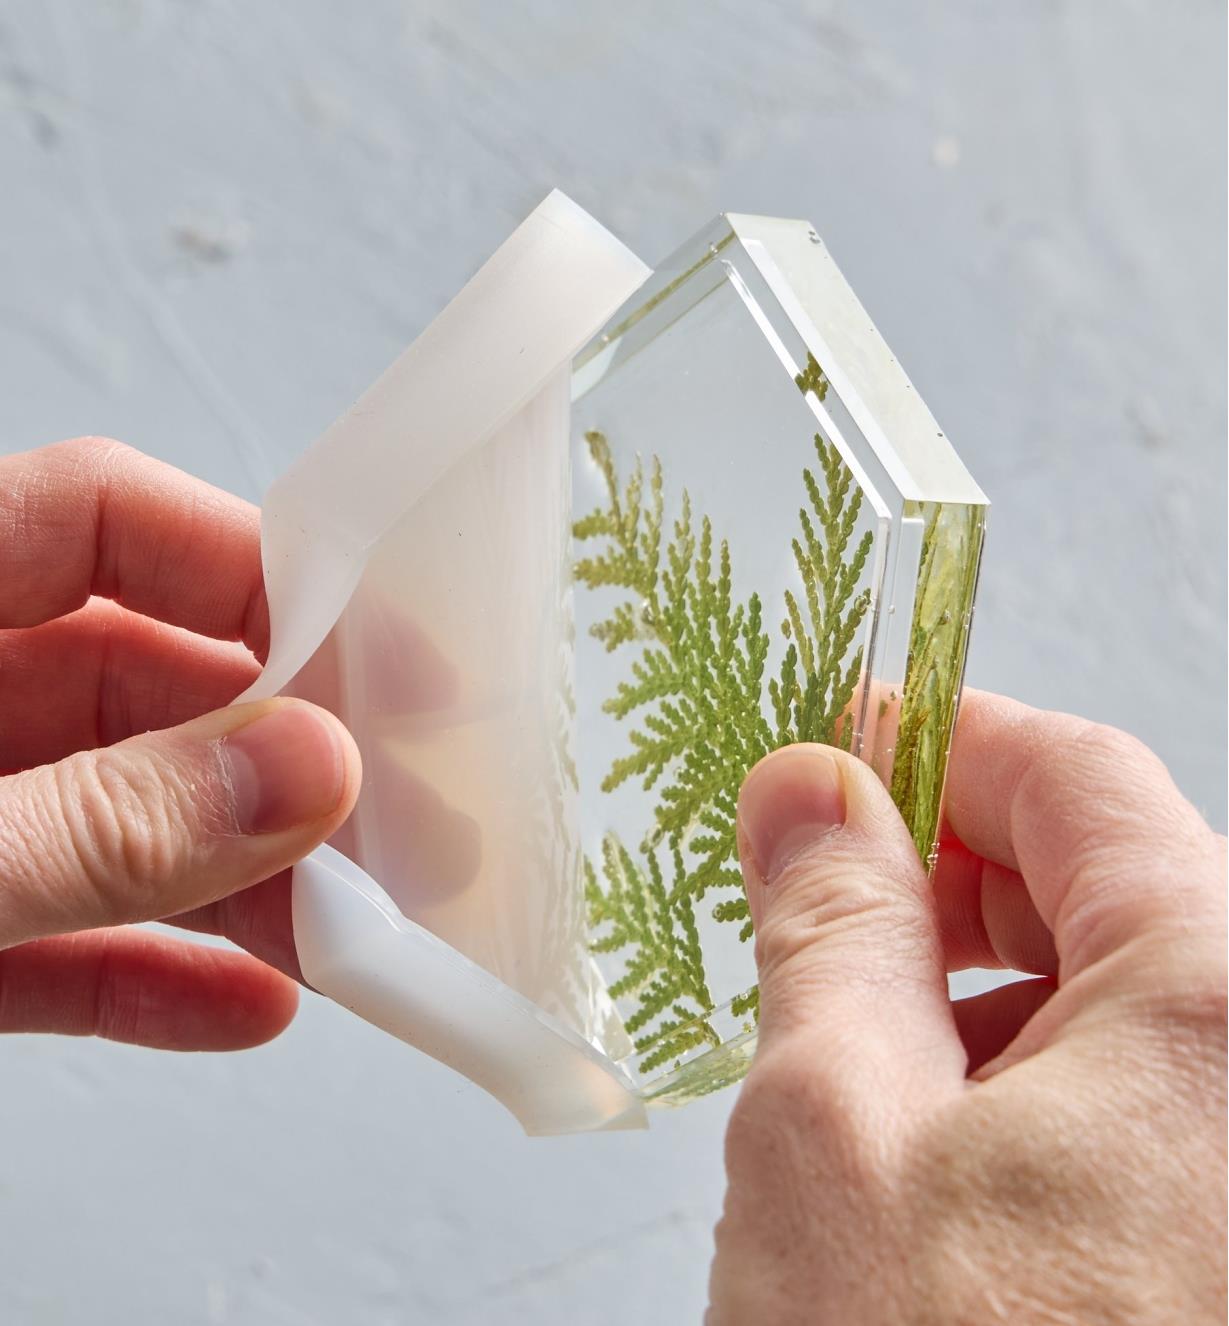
pixel 1052 1152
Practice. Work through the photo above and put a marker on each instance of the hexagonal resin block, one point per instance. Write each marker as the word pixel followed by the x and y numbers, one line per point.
pixel 774 542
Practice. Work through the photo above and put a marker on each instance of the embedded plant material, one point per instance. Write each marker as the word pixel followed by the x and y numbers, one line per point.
pixel 947 581
pixel 702 707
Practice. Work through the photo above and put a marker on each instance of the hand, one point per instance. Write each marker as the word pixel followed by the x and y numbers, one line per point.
pixel 124 586
pixel 1050 1152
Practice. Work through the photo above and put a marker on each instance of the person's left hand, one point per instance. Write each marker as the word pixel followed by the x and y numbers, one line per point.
pixel 131 604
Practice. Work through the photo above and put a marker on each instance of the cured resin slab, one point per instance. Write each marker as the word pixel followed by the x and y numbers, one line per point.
pixel 775 543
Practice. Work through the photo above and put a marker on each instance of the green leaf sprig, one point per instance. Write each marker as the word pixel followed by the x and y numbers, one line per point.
pixel 701 711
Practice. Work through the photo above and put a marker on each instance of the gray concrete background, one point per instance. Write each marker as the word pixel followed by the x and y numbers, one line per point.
pixel 220 220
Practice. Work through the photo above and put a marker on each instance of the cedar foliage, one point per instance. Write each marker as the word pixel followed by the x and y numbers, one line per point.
pixel 701 709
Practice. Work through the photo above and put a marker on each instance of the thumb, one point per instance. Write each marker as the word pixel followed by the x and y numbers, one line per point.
pixel 170 820
pixel 852 980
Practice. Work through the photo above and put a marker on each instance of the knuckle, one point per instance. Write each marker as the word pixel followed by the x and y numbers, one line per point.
pixel 124 824
pixel 843 907
pixel 1131 842
pixel 1108 747
pixel 49 502
pixel 28 852
pixel 1073 755
pixel 1064 746
pixel 811 894
pixel 81 465
pixel 89 453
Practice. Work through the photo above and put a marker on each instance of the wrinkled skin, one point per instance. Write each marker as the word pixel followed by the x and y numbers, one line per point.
pixel 1050 1152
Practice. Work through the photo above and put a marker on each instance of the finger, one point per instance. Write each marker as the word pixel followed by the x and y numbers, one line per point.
pixel 113 673
pixel 144 989
pixel 258 919
pixel 1108 846
pixel 852 981
pixel 986 915
pixel 989 1022
pixel 438 844
pixel 168 821
pixel 93 516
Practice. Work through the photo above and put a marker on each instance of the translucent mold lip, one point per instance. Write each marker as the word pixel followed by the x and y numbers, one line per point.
pixel 356 944
pixel 439 924
pixel 419 559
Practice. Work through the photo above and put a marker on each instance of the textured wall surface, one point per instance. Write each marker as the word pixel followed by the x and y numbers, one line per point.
pixel 220 221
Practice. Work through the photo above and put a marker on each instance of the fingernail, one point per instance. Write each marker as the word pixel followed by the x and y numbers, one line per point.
pixel 796 796
pixel 286 768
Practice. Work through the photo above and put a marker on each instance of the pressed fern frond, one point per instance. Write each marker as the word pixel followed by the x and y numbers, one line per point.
pixel 665 968
pixel 700 712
